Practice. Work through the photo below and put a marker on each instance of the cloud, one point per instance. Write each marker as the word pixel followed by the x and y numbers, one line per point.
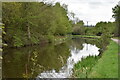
pixel 119 3
pixel 90 10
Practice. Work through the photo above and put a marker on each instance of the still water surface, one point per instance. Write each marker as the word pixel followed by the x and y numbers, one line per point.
pixel 47 61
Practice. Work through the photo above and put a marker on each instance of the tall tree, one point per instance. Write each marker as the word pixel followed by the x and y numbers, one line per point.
pixel 116 15
pixel 33 22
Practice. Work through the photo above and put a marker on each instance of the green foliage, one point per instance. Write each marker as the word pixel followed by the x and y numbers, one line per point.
pixel 79 28
pixel 17 41
pixel 33 22
pixel 34 40
pixel 90 31
pixel 63 26
pixel 83 68
pixel 50 38
pixel 105 39
pixel 116 15
pixel 101 28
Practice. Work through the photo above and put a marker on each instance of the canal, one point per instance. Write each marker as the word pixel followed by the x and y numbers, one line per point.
pixel 48 60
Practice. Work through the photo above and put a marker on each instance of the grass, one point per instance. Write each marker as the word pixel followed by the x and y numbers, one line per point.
pixel 83 68
pixel 87 36
pixel 107 66
pixel 116 37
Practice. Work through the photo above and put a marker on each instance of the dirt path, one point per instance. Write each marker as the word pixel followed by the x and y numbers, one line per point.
pixel 116 40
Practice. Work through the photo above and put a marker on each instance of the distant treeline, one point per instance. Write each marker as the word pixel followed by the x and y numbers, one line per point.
pixel 33 22
pixel 101 28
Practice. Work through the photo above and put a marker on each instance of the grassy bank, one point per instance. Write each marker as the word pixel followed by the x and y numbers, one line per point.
pixel 83 68
pixel 86 36
pixel 107 66
pixel 116 37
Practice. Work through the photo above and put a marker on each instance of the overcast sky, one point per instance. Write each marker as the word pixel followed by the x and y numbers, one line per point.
pixel 92 11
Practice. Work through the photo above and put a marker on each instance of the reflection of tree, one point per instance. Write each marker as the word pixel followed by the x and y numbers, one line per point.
pixel 100 43
pixel 77 44
pixel 61 60
pixel 63 53
pixel 17 62
pixel 35 66
pixel 25 75
pixel 30 61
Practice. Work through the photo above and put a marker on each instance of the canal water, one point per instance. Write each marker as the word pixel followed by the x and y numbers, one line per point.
pixel 48 60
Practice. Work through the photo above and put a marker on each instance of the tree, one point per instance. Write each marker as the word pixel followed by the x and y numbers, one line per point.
pixel 34 22
pixel 79 28
pixel 116 15
pixel 102 28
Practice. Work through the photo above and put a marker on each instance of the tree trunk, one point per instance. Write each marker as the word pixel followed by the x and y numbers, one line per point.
pixel 29 36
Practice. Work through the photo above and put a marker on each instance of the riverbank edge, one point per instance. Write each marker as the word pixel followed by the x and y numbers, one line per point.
pixel 107 65
pixel 86 36
pixel 56 41
pixel 102 68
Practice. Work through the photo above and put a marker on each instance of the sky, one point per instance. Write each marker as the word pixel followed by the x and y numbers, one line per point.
pixel 91 11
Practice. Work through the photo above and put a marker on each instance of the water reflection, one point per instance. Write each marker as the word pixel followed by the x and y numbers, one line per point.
pixel 46 61
pixel 76 55
pixel 28 62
